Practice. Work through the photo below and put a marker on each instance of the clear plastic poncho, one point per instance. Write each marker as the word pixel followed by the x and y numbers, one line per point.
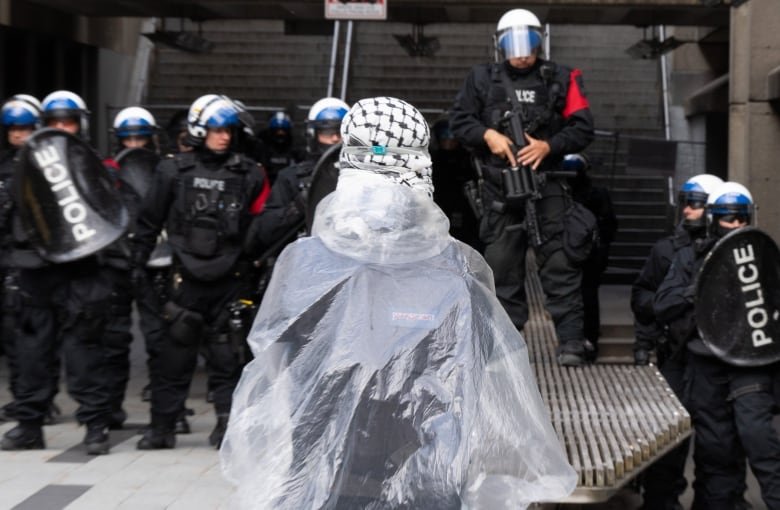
pixel 386 373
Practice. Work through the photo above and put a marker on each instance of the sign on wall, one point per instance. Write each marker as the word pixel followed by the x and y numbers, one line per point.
pixel 356 9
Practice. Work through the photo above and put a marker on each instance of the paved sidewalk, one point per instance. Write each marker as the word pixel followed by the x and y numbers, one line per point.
pixel 64 477
pixel 187 477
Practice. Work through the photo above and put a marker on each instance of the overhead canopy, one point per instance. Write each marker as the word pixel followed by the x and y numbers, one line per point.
pixel 618 12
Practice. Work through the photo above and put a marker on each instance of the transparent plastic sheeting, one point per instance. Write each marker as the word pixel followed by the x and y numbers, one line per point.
pixel 386 380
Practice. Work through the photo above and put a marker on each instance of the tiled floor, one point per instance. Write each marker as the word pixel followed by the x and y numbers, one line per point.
pixel 63 476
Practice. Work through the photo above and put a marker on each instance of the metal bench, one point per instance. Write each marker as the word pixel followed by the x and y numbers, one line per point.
pixel 613 420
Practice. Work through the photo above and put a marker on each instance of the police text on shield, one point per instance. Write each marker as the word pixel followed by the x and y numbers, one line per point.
pixel 757 315
pixel 73 209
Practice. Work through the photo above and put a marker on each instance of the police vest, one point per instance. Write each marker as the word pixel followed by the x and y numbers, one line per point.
pixel 210 214
pixel 541 95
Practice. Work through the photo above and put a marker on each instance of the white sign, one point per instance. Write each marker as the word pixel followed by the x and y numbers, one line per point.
pixel 356 9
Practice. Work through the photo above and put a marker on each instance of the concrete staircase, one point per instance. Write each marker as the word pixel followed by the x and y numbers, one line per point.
pixel 257 62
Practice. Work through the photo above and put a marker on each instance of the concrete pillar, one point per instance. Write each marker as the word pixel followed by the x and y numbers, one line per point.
pixel 754 127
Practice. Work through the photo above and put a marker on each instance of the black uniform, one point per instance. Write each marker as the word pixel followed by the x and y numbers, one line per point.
pixel 62 308
pixel 285 210
pixel 598 201
pixel 451 171
pixel 555 111
pixel 205 201
pixel 664 481
pixel 117 264
pixel 731 406
pixel 10 296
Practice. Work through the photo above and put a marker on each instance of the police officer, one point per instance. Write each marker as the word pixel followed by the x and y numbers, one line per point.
pixel 597 201
pixel 205 199
pixel 550 102
pixel 61 303
pixel 452 174
pixel 20 116
pixel 286 207
pixel 133 128
pixel 731 406
pixel 664 481
pixel 280 144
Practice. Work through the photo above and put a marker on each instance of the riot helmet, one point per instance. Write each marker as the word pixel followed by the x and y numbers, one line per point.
pixel 324 119
pixel 135 127
pixel 209 112
pixel 728 202
pixel 693 195
pixel 389 137
pixel 280 129
pixel 64 104
pixel 20 116
pixel 518 34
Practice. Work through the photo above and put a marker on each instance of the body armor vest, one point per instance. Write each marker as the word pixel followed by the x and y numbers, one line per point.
pixel 541 95
pixel 209 215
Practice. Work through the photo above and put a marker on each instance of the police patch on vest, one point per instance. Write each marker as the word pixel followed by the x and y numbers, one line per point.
pixel 738 299
pixel 204 183
pixel 526 96
pixel 68 203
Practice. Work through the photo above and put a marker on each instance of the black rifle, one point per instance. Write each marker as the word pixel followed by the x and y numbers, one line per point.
pixel 520 181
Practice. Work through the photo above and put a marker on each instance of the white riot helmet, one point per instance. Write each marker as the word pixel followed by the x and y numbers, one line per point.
pixel 326 114
pixel 729 201
pixel 134 121
pixel 518 34
pixel 210 111
pixel 63 104
pixel 389 137
pixel 694 194
pixel 21 110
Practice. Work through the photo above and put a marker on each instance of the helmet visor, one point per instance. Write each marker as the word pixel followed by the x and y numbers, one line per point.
pixel 516 42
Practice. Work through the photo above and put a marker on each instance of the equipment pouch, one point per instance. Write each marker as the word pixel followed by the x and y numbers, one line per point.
pixel 203 240
pixel 580 233
pixel 184 326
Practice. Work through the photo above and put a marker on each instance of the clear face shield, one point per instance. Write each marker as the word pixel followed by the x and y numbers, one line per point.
pixel 694 201
pixel 517 42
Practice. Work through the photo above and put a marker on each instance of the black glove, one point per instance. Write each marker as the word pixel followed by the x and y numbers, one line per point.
pixel 641 357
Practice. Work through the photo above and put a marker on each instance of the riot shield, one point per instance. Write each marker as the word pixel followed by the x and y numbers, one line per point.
pixel 68 202
pixel 323 181
pixel 738 299
pixel 136 169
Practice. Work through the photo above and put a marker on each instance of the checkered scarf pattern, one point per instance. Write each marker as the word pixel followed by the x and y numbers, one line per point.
pixel 390 137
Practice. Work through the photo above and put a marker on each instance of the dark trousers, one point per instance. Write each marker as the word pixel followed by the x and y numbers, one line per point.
pixel 178 356
pixel 732 413
pixel 506 243
pixel 63 305
pixel 118 337
pixel 664 481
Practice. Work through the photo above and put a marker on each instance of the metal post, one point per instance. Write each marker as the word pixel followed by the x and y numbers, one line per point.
pixel 665 86
pixel 345 69
pixel 547 41
pixel 334 50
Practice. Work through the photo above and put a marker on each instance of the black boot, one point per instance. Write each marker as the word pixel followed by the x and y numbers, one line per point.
pixel 215 438
pixel 23 437
pixel 96 440
pixel 156 438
